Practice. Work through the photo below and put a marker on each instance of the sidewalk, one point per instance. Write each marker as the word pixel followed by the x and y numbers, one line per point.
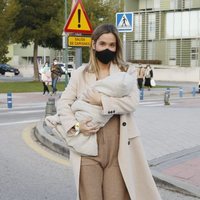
pixel 170 135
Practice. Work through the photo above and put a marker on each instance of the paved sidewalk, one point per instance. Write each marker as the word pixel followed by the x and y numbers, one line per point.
pixel 170 135
pixel 181 169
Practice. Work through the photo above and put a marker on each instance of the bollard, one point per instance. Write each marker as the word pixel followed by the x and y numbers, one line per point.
pixel 9 100
pixel 199 87
pixel 167 96
pixel 180 92
pixel 50 107
pixel 142 94
pixel 193 91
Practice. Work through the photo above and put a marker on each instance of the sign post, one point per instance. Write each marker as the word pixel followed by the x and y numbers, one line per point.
pixel 78 24
pixel 124 24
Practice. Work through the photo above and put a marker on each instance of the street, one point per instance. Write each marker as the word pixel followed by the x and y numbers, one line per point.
pixel 24 173
pixel 27 172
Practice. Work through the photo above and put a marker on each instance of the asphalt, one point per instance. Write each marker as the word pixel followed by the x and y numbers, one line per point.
pixel 170 133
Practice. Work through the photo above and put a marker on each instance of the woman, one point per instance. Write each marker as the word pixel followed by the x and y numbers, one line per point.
pixel 45 77
pixel 148 77
pixel 140 76
pixel 120 171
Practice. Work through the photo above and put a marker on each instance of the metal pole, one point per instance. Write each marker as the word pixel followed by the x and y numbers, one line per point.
pixel 124 46
pixel 78 60
pixel 66 48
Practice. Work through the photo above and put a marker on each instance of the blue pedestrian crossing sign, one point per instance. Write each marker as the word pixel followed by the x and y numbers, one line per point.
pixel 124 21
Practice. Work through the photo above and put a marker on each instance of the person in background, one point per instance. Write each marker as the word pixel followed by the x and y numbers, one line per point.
pixel 55 74
pixel 140 76
pixel 45 77
pixel 148 76
pixel 120 170
pixel 199 86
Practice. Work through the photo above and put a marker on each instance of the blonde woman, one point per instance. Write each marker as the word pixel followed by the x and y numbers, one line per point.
pixel 120 170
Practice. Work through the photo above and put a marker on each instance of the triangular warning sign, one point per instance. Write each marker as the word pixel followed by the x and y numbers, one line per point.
pixel 124 22
pixel 78 21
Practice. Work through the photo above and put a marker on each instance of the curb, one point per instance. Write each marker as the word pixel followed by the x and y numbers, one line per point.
pixel 158 163
pixel 188 188
pixel 49 140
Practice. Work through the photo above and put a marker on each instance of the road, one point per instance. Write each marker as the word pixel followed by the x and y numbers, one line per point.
pixel 26 172
pixel 30 171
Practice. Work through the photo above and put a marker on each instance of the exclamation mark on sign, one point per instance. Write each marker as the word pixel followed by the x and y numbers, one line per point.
pixel 79 18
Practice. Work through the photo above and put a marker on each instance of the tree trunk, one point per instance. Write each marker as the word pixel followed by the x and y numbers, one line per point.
pixel 35 54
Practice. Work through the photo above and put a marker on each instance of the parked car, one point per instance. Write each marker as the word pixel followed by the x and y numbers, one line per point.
pixel 7 68
pixel 69 70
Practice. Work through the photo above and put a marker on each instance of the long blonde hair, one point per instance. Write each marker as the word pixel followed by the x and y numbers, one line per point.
pixel 100 30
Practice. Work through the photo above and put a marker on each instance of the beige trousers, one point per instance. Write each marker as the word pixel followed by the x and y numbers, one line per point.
pixel 100 176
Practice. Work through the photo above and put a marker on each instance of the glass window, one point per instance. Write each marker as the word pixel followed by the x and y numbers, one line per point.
pixel 137 50
pixel 194 23
pixel 151 26
pixel 151 51
pixel 138 27
pixel 177 24
pixel 170 25
pixel 156 4
pixel 185 24
pixel 188 3
pixel 173 4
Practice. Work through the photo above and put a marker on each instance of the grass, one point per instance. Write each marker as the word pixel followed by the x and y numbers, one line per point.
pixel 21 87
pixel 36 86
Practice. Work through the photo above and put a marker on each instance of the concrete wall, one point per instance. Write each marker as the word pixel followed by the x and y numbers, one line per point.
pixel 182 74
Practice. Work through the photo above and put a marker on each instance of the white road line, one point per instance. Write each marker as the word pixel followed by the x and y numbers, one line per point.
pixel 153 104
pixel 23 107
pixel 22 112
pixel 20 122
pixel 148 102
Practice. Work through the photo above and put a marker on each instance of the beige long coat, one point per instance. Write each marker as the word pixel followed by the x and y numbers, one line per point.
pixel 132 161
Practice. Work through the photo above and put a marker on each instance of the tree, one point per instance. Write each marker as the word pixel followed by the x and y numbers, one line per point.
pixel 100 12
pixel 7 12
pixel 39 22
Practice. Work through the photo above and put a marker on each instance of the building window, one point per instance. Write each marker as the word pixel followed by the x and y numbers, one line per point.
pixel 183 24
pixel 157 4
pixel 194 23
pixel 151 51
pixel 151 26
pixel 138 26
pixel 137 51
pixel 172 52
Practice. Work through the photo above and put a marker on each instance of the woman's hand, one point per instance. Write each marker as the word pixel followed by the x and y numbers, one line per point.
pixel 92 96
pixel 87 128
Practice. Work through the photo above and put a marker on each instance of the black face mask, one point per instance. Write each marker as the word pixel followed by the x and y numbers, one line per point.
pixel 105 56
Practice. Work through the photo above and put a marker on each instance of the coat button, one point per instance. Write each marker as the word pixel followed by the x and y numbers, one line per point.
pixel 124 124
pixel 129 142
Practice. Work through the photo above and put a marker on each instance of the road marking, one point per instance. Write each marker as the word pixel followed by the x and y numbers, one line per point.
pixel 20 122
pixel 22 112
pixel 26 135
pixel 18 106
pixel 154 104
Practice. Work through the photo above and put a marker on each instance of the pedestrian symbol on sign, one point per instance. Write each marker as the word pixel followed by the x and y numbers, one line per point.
pixel 124 21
